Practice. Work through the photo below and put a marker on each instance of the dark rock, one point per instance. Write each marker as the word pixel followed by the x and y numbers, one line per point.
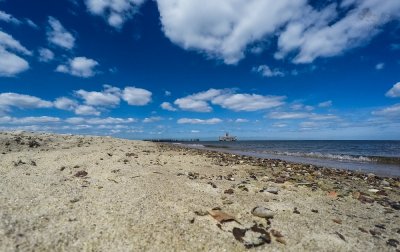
pixel 314 210
pixel 296 211
pixel 392 242
pixel 212 184
pixel 81 174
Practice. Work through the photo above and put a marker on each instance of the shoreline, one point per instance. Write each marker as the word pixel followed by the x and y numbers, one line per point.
pixel 66 192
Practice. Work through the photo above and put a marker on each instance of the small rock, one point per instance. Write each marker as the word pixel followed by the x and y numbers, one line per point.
pixel 385 183
pixel 314 210
pixel 392 242
pixel 273 190
pixel 262 212
pixel 212 184
pixel 373 190
pixel 229 191
pixel 81 174
pixel 296 211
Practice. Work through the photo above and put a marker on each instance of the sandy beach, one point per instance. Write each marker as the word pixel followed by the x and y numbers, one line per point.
pixel 82 193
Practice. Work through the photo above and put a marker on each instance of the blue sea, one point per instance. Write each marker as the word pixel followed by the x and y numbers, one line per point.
pixel 379 157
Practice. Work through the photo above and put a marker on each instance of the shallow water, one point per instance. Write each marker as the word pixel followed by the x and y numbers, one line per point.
pixel 379 157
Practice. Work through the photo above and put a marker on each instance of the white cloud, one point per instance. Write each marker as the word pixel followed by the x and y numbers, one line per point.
pixel 199 121
pixel 10 63
pixel 300 106
pixel 265 71
pixel 279 125
pixel 394 91
pixel 136 96
pixel 58 35
pixel 391 111
pixel 152 119
pixel 241 120
pixel 226 98
pixel 300 115
pixel 116 12
pixel 86 110
pixel 33 120
pixel 31 23
pixel 65 103
pixel 167 93
pixel 99 121
pixel 9 18
pixel 379 66
pixel 45 55
pixel 110 96
pixel 325 104
pixel 227 29
pixel 9 100
pixel 248 102
pixel 79 66
pixel 167 106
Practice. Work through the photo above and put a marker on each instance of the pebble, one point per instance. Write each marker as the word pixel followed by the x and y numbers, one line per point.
pixel 373 190
pixel 273 190
pixel 385 183
pixel 262 212
pixel 392 242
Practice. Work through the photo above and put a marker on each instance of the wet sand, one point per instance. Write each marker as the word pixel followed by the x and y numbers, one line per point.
pixel 76 193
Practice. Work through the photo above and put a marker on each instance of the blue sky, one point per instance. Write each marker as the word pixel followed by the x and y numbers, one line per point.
pixel 259 69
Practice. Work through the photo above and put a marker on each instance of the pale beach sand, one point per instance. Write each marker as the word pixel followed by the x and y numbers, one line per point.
pixel 75 193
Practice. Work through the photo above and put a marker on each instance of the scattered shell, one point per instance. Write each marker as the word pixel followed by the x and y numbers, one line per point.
pixel 221 216
pixel 273 190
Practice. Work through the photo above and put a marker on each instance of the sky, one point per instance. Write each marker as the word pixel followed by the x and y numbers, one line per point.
pixel 259 69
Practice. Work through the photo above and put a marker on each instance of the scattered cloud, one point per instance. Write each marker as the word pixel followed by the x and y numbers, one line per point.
pixel 29 120
pixel 12 64
pixel 228 99
pixel 325 104
pixel 116 12
pixel 58 35
pixel 136 96
pixel 265 71
pixel 167 93
pixel 152 119
pixel 86 110
pixel 279 125
pixel 226 30
pixel 45 55
pixel 65 103
pixel 9 18
pixel 79 66
pixel 167 106
pixel 300 106
pixel 379 66
pixel 300 115
pixel 241 120
pixel 199 121
pixel 391 111
pixel 100 121
pixel 109 97
pixel 394 91
pixel 21 101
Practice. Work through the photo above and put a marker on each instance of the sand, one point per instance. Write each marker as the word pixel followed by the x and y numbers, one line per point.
pixel 76 193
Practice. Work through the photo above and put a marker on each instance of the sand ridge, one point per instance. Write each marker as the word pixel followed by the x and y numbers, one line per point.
pixel 74 193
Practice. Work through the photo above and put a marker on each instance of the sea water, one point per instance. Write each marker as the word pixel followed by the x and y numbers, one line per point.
pixel 379 157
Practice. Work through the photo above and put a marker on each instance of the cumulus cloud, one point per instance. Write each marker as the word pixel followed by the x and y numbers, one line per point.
pixel 394 91
pixel 228 29
pixel 167 106
pixel 79 66
pixel 136 96
pixel 12 64
pixel 86 110
pixel 110 96
pixel 265 71
pixel 45 55
pixel 116 12
pixel 65 103
pixel 58 35
pixel 9 100
pixel 391 111
pixel 199 121
pixel 228 99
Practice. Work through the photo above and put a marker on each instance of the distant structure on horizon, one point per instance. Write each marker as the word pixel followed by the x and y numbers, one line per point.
pixel 227 138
